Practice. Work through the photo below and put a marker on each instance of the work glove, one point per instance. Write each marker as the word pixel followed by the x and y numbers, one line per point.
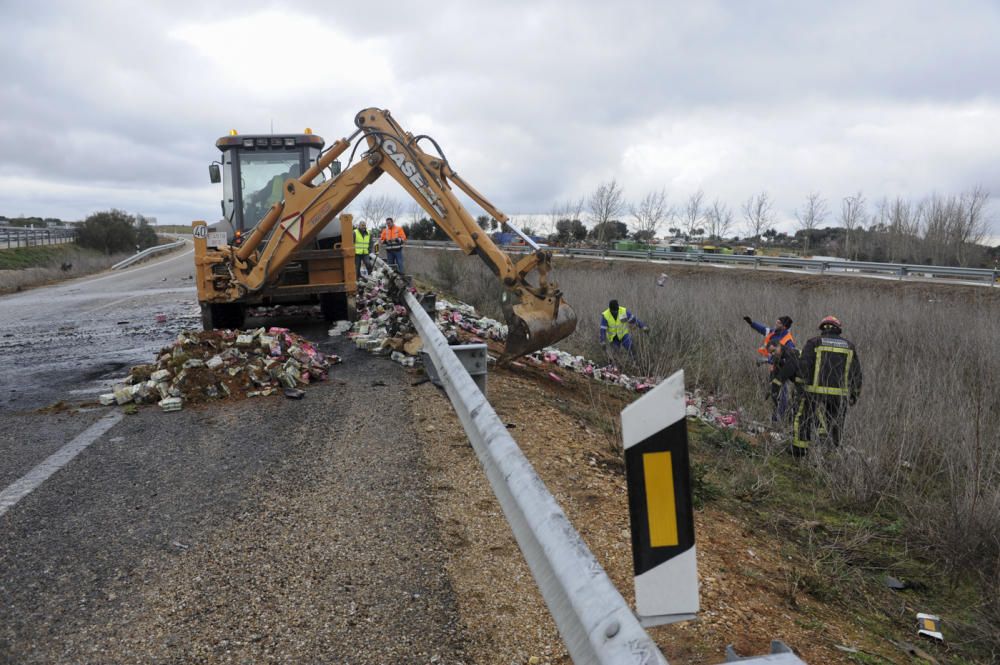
pixel 646 329
pixel 748 320
pixel 852 400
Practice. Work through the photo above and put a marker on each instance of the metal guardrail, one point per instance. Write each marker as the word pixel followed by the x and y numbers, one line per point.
pixel 21 236
pixel 156 249
pixel 595 622
pixel 900 270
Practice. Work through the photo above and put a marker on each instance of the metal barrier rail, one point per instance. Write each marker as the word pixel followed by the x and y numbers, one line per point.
pixel 21 236
pixel 156 249
pixel 900 270
pixel 594 620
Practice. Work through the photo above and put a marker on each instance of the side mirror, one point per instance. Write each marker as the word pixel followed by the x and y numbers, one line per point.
pixel 213 173
pixel 335 167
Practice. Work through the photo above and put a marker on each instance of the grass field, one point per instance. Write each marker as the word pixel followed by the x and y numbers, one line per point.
pixel 32 266
pixel 914 489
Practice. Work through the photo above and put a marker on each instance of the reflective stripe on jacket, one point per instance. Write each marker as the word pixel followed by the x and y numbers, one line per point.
pixel 362 243
pixel 393 238
pixel 830 366
pixel 784 340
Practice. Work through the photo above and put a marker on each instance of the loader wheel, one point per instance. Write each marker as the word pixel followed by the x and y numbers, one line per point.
pixel 222 316
pixel 333 306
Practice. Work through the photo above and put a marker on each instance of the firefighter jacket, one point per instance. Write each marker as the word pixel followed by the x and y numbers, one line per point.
pixel 616 328
pixel 393 238
pixel 362 242
pixel 830 366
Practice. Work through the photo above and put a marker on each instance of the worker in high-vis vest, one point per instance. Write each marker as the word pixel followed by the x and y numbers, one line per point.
pixel 830 381
pixel 615 322
pixel 364 248
pixel 393 238
pixel 782 334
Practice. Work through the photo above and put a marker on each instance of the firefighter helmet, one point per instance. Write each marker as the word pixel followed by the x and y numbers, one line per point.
pixel 830 322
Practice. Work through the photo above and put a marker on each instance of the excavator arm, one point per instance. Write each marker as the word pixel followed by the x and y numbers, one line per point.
pixel 536 313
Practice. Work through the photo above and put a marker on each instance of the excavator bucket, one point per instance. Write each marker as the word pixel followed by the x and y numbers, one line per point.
pixel 535 323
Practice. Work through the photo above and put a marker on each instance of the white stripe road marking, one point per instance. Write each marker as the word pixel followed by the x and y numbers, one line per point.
pixel 26 484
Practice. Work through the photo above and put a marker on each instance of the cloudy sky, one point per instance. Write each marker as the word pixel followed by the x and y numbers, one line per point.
pixel 119 104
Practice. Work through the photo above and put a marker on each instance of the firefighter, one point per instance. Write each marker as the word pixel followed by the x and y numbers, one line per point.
pixel 615 322
pixel 782 334
pixel 393 237
pixel 830 381
pixel 784 361
pixel 363 249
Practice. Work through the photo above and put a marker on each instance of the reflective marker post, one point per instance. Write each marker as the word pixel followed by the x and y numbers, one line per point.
pixel 654 434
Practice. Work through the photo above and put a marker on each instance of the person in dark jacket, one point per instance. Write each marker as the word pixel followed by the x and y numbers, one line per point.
pixel 780 334
pixel 784 361
pixel 830 381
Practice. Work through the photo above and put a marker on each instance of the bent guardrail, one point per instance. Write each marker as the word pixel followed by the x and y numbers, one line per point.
pixel 146 252
pixel 821 266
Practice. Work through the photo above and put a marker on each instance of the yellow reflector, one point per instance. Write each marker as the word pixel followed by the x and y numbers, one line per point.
pixel 308 130
pixel 658 469
pixel 233 132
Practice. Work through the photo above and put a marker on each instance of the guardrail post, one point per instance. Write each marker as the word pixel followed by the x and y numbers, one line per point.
pixel 902 272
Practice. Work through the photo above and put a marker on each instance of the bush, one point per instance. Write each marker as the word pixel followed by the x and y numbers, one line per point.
pixel 116 231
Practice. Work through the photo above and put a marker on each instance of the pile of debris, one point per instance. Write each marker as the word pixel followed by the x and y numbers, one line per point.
pixel 384 327
pixel 219 364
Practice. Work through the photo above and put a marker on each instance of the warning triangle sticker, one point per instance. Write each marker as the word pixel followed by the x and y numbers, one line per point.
pixel 293 227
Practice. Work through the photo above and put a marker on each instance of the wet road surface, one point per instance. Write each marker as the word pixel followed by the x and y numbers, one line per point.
pixel 267 530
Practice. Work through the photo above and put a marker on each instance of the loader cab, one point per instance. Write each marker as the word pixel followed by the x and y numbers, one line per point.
pixel 253 169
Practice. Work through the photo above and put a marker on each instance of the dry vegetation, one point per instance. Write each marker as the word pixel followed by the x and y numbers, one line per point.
pixel 915 486
pixel 34 266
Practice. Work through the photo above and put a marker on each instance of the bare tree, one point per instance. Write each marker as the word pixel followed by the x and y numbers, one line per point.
pixel 606 204
pixel 758 213
pixel 973 226
pixel 693 213
pixel 852 216
pixel 811 215
pixel 568 210
pixel 649 214
pixel 718 219
pixel 376 208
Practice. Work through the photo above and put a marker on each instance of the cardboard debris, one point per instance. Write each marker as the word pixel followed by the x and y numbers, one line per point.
pixel 382 324
pixel 223 364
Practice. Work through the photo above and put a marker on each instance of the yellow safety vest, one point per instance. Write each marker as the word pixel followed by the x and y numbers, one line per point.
pixel 617 329
pixel 362 243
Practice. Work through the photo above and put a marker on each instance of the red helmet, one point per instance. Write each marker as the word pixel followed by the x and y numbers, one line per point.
pixel 830 322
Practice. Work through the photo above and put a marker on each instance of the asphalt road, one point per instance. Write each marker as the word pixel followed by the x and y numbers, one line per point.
pixel 267 530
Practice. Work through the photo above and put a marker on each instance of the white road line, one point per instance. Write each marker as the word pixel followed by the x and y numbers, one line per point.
pixel 26 484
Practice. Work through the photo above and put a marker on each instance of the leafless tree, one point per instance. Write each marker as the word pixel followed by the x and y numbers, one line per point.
pixel 758 214
pixel 718 220
pixel 693 213
pixel 606 203
pixel 852 216
pixel 376 208
pixel 651 212
pixel 973 225
pixel 811 215
pixel 414 213
pixel 568 210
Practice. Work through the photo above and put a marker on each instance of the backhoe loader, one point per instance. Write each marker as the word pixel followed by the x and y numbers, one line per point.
pixel 251 266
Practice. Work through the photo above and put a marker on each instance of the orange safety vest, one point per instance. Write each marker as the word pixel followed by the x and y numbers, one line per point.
pixel 785 339
pixel 392 238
